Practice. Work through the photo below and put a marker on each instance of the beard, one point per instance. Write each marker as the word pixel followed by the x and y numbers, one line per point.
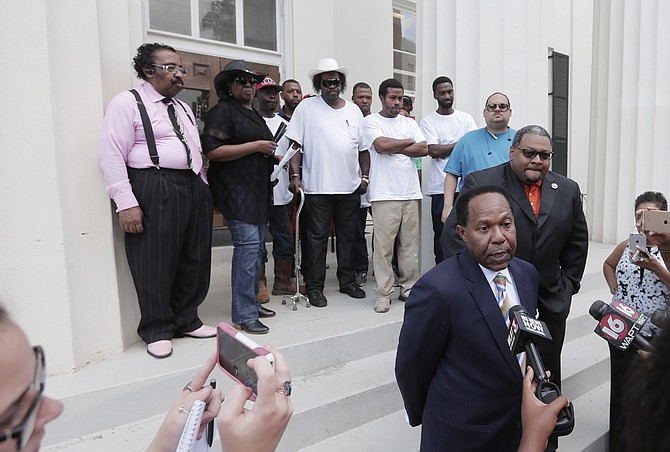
pixel 447 104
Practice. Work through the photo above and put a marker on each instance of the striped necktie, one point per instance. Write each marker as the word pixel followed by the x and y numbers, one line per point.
pixel 503 300
pixel 178 130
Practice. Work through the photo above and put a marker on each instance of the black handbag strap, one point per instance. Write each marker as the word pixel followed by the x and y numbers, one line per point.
pixel 148 130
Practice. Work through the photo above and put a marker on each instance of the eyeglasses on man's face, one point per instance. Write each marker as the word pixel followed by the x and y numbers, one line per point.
pixel 531 153
pixel 331 82
pixel 501 106
pixel 171 68
pixel 22 432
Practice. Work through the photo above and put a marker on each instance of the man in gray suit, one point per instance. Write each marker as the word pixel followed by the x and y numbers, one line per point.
pixel 551 229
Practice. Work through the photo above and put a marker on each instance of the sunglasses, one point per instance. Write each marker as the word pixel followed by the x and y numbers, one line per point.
pixel 244 81
pixel 24 430
pixel 502 107
pixel 331 82
pixel 531 153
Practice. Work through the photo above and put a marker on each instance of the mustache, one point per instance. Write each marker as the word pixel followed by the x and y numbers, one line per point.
pixel 498 249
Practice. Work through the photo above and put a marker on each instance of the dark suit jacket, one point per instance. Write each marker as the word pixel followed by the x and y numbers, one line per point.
pixel 556 243
pixel 455 371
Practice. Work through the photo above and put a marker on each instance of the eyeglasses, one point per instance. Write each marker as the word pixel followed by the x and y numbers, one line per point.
pixel 531 153
pixel 24 430
pixel 502 107
pixel 331 82
pixel 171 68
pixel 244 81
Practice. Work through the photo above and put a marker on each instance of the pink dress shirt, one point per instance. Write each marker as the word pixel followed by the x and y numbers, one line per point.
pixel 123 142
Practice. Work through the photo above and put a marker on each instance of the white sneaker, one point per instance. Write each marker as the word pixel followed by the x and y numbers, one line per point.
pixel 383 304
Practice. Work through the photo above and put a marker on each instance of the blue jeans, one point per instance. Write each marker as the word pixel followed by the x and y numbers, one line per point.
pixel 248 240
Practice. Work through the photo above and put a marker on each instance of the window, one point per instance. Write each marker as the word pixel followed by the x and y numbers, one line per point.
pixel 249 23
pixel 404 48
pixel 559 71
pixel 218 20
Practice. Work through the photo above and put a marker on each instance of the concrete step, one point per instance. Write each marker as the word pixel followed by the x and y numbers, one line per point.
pixel 130 387
pixel 326 403
pixel 133 437
pixel 591 422
pixel 389 433
pixel 585 365
pixel 340 399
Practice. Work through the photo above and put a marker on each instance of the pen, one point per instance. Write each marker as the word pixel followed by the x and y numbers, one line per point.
pixel 210 426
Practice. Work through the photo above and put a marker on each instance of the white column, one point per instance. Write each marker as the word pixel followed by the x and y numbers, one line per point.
pixel 630 104
pixel 57 272
pixel 484 46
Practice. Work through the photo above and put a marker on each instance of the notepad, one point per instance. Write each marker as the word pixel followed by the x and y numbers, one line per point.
pixel 189 435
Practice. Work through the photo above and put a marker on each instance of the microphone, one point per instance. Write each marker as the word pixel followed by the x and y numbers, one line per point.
pixel 281 130
pixel 523 330
pixel 619 324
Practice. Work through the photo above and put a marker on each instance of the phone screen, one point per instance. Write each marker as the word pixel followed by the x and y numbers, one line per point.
pixel 233 357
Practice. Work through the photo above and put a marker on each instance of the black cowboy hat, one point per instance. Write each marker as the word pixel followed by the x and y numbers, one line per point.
pixel 229 70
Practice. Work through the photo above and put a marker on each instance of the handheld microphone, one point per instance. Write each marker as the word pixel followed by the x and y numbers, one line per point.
pixel 523 330
pixel 281 130
pixel 619 324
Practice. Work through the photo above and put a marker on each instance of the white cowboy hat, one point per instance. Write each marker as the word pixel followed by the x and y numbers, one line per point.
pixel 327 65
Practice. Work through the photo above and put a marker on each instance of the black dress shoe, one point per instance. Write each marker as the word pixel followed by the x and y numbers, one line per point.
pixel 353 291
pixel 317 299
pixel 252 327
pixel 265 312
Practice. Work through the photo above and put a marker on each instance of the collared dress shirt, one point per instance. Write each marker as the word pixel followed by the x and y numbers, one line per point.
pixel 123 141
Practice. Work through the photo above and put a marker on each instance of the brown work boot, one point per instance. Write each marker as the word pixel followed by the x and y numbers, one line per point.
pixel 284 282
pixel 263 296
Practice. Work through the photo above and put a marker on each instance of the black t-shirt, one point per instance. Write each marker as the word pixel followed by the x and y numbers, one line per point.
pixel 241 188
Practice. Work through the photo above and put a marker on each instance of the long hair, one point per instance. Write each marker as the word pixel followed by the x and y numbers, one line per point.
pixel 316 82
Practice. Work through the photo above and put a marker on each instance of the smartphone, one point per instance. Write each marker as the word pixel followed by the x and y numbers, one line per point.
pixel 234 349
pixel 636 242
pixel 656 220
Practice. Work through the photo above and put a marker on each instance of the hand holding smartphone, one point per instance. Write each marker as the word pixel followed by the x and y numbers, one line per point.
pixel 637 243
pixel 234 349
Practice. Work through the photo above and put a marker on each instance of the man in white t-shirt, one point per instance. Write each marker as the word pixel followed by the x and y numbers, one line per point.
pixel 279 218
pixel 442 128
pixel 335 166
pixel 395 192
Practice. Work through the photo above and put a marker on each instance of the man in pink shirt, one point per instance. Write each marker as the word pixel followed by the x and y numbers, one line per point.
pixel 155 178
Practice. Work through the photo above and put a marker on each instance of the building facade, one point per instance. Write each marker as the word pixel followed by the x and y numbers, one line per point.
pixel 63 272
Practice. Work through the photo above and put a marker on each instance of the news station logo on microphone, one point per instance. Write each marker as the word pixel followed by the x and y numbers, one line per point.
pixel 619 323
pixel 522 326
